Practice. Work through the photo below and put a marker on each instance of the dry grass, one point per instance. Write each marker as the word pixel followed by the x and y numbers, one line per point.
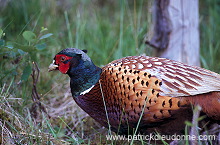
pixel 63 114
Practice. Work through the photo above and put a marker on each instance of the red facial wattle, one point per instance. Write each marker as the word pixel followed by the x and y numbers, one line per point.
pixel 63 62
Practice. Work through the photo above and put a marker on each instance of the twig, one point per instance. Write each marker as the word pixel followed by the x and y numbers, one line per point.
pixel 35 96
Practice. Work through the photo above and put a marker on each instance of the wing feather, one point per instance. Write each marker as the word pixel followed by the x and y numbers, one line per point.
pixel 178 79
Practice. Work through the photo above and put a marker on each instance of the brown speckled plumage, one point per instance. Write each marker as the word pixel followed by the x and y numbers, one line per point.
pixel 163 90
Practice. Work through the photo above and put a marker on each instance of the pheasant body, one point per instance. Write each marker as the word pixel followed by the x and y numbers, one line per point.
pixel 157 91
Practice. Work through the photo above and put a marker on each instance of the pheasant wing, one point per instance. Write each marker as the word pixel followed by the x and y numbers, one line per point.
pixel 178 79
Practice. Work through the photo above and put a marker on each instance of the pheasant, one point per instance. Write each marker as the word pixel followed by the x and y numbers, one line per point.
pixel 158 92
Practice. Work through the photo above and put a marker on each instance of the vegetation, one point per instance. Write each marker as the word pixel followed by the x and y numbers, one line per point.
pixel 37 108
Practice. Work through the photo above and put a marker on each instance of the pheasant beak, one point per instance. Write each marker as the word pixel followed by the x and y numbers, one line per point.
pixel 52 66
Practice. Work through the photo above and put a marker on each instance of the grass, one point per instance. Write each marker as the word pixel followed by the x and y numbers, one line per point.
pixel 209 34
pixel 107 29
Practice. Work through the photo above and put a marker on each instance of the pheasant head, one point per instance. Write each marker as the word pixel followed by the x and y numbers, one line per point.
pixel 80 68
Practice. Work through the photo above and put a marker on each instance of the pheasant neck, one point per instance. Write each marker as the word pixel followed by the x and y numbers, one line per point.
pixel 83 77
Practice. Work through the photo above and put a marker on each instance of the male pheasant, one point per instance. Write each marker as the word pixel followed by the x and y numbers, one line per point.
pixel 158 91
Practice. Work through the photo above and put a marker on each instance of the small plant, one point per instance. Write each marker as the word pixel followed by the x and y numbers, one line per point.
pixel 23 55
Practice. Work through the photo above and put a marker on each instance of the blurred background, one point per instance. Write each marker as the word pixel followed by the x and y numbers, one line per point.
pixel 34 31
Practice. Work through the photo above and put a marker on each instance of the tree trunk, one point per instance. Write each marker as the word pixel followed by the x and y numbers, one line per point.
pixel 175 30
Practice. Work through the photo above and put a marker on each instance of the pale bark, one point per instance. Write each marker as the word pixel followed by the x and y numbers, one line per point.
pixel 175 33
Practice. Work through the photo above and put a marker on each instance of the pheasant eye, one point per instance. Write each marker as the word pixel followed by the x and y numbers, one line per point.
pixel 62 58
